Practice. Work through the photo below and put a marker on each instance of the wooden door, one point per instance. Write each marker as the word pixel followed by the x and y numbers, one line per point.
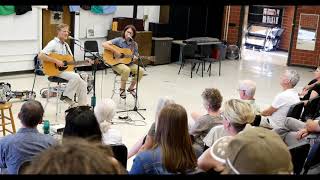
pixel 49 26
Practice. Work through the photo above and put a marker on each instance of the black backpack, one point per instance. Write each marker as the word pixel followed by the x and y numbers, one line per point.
pixel 38 66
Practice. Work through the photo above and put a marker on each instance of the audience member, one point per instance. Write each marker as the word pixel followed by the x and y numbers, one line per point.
pixel 247 90
pixel 18 148
pixel 286 127
pixel 104 112
pixel 236 115
pixel 280 106
pixel 173 152
pixel 212 100
pixel 81 122
pixel 147 141
pixel 257 150
pixel 75 156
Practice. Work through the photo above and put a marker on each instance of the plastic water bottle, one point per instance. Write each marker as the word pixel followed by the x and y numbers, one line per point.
pixel 46 126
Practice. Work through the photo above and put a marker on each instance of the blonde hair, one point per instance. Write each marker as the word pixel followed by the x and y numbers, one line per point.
pixel 238 111
pixel 104 112
pixel 61 26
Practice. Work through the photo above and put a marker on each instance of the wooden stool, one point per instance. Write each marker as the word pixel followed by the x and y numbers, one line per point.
pixel 3 117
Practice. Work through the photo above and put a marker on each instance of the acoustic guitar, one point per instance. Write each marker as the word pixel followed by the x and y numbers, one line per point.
pixel 126 56
pixel 51 69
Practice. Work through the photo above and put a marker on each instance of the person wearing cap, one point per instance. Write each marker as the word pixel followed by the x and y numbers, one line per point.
pixel 212 100
pixel 236 115
pixel 255 150
pixel 247 90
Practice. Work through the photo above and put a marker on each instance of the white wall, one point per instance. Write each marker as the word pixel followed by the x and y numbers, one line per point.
pixel 88 19
pixel 19 45
pixel 16 54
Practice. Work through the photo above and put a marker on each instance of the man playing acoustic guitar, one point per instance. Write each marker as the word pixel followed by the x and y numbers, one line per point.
pixel 126 41
pixel 76 85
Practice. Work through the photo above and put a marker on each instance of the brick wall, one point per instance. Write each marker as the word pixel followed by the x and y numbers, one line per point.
pixel 305 57
pixel 234 18
pixel 287 19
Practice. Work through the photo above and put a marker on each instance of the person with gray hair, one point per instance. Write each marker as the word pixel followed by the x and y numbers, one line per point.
pixel 104 112
pixel 212 101
pixel 18 148
pixel 247 90
pixel 280 106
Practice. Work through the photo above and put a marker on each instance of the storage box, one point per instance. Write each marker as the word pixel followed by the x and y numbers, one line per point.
pixel 119 23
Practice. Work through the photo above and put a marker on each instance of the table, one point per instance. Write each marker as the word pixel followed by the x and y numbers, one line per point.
pixel 182 44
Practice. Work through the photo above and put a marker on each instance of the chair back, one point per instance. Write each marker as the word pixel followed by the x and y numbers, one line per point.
pixel 299 154
pixel 313 158
pixel 120 153
pixel 295 110
pixel 90 46
pixel 189 50
pixel 311 109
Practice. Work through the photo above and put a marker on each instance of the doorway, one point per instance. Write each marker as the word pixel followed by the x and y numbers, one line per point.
pixel 50 19
pixel 266 30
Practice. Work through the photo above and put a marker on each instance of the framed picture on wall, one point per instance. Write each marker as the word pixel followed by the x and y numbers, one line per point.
pixel 56 17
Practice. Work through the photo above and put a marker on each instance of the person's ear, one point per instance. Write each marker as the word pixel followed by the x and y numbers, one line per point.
pixel 19 115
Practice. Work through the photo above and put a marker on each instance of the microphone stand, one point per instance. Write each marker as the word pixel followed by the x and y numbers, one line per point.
pixel 136 99
pixel 94 70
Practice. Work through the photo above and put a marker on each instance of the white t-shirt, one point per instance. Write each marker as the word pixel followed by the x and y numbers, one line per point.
pixel 112 136
pixel 282 102
pixel 57 46
pixel 215 133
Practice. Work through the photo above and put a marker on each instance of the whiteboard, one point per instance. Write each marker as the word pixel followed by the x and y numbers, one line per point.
pixel 19 27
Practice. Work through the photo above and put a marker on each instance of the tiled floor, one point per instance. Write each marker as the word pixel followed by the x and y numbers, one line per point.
pixel 163 80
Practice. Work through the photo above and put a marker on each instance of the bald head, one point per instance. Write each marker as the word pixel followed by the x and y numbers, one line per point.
pixel 31 113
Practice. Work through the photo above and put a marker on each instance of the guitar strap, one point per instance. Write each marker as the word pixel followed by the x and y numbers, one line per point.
pixel 68 48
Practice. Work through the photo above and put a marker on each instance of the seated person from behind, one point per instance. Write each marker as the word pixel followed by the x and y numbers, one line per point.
pixel 75 156
pixel 173 152
pixel 148 141
pixel 18 148
pixel 125 41
pixel 81 122
pixel 247 90
pixel 236 115
pixel 255 150
pixel 104 112
pixel 212 100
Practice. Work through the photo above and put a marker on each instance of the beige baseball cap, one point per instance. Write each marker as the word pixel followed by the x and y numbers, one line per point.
pixel 255 150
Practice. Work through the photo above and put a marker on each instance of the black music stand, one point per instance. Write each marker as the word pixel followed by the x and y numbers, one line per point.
pixel 94 71
pixel 135 108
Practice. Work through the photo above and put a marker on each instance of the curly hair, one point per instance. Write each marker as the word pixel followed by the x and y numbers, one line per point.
pixel 212 98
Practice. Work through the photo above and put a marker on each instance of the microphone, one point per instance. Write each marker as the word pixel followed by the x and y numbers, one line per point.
pixel 70 37
pixel 131 39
